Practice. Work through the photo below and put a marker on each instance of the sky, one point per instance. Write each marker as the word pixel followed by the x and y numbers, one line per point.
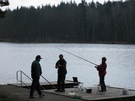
pixel 18 3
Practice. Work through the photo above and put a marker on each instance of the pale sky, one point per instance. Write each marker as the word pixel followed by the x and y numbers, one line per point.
pixel 18 3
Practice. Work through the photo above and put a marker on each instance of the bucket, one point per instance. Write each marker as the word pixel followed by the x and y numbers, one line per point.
pixel 88 90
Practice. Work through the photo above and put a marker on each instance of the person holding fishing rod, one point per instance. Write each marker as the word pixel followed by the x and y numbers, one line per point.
pixel 62 71
pixel 102 72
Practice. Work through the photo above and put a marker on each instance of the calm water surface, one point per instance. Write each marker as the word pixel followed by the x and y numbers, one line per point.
pixel 120 62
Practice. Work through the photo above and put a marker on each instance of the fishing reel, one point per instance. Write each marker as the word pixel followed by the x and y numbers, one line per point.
pixel 96 67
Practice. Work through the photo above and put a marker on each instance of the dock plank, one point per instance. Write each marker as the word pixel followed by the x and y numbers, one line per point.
pixel 46 85
pixel 112 93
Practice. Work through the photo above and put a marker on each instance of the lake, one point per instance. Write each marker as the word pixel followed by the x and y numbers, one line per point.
pixel 120 62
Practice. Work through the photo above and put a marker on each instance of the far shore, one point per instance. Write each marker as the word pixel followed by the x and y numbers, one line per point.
pixel 61 42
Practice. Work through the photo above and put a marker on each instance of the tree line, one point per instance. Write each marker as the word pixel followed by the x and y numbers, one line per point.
pixel 111 22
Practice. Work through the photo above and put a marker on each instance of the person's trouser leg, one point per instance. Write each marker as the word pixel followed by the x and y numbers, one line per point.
pixel 63 82
pixel 58 82
pixel 38 88
pixel 33 87
pixel 102 83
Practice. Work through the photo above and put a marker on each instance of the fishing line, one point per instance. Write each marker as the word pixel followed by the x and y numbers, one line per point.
pixel 78 57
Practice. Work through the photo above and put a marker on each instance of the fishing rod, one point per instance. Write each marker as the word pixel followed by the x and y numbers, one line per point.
pixel 78 57
pixel 48 82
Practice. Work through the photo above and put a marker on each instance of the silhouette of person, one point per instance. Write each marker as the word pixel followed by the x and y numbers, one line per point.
pixel 62 71
pixel 102 72
pixel 36 71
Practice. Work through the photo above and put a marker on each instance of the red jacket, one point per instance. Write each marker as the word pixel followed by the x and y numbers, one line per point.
pixel 102 69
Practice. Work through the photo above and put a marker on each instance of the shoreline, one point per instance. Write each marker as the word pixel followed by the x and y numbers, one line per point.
pixel 119 43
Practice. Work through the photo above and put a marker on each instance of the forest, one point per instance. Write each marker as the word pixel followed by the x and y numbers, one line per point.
pixel 69 22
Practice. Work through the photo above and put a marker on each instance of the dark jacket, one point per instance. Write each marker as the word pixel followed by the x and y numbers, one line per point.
pixel 61 65
pixel 35 69
pixel 102 69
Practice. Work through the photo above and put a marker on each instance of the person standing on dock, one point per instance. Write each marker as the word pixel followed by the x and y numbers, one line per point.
pixel 102 72
pixel 36 71
pixel 62 71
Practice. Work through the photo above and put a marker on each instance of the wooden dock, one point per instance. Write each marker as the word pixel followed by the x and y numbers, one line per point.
pixel 46 85
pixel 112 94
